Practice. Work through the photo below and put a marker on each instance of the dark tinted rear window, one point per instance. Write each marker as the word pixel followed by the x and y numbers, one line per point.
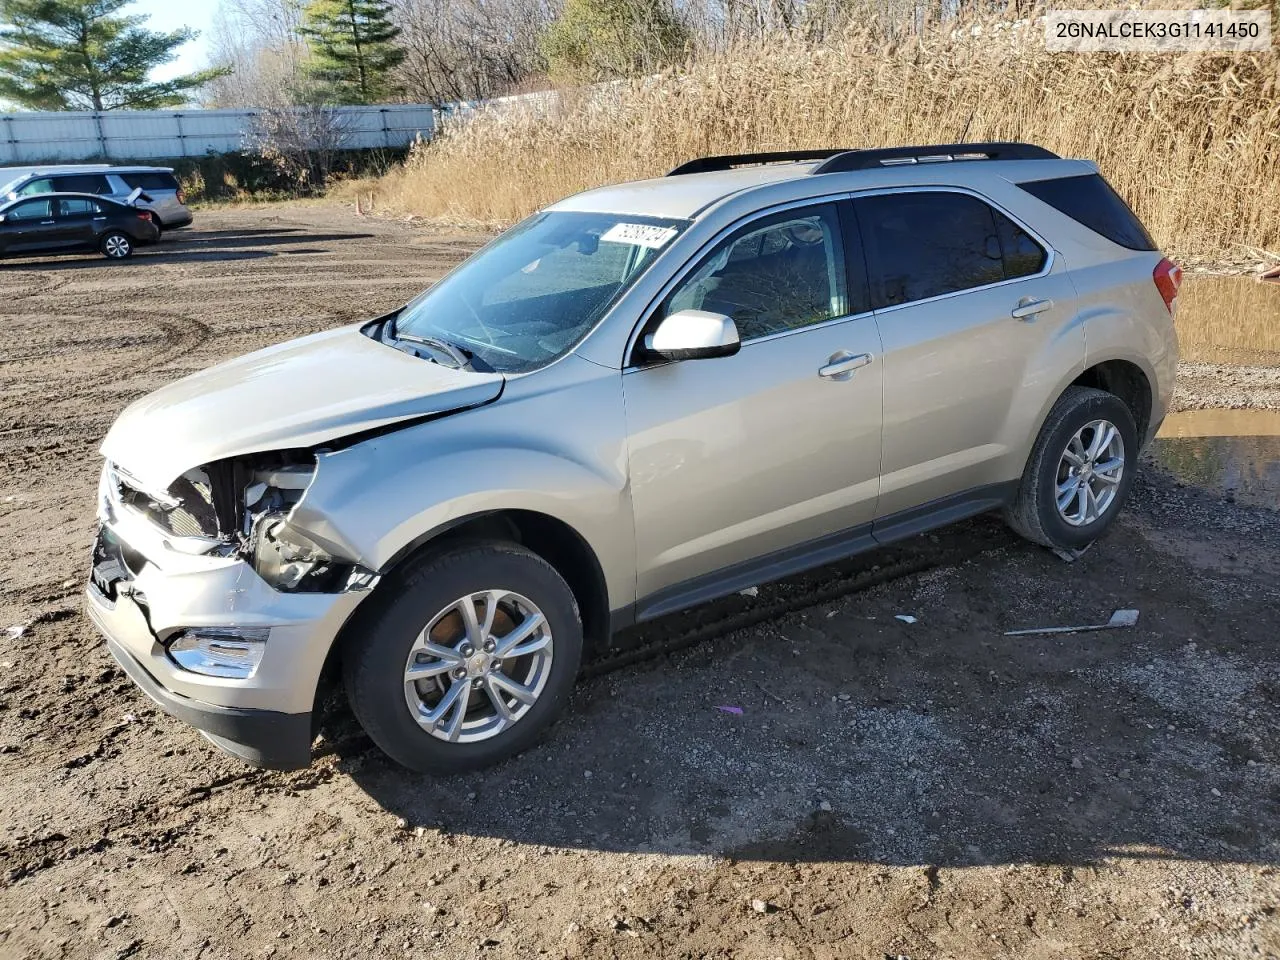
pixel 1023 256
pixel 925 244
pixel 82 183
pixel 1090 200
pixel 150 181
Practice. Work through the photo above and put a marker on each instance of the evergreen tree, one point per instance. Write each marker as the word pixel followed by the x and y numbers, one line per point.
pixel 84 55
pixel 352 48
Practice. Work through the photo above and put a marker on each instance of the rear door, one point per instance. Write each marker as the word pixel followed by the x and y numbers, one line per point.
pixel 79 220
pixel 971 306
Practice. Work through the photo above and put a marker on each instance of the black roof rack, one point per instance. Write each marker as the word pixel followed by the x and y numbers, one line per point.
pixel 728 162
pixel 934 153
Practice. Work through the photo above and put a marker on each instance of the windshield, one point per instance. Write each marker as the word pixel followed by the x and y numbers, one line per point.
pixel 9 187
pixel 533 293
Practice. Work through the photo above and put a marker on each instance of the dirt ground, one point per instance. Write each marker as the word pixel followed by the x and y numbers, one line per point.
pixel 889 789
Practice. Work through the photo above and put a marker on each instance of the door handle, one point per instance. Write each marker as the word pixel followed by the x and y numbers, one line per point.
pixel 46 223
pixel 99 218
pixel 1029 306
pixel 842 365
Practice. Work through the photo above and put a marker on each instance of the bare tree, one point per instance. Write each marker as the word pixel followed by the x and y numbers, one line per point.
pixel 469 49
pixel 301 142
pixel 259 41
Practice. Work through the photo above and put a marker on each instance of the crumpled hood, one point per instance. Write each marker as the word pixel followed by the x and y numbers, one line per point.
pixel 296 394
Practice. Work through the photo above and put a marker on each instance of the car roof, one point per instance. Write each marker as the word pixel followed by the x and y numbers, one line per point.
pixel 682 197
pixel 29 173
pixel 52 196
pixel 686 196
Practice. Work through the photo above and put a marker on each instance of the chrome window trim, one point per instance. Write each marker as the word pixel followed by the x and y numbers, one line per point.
pixel 628 364
pixel 1050 258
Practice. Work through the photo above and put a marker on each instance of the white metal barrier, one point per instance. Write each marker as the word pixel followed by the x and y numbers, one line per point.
pixel 36 137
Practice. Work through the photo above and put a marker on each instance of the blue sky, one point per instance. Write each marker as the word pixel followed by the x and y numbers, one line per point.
pixel 173 15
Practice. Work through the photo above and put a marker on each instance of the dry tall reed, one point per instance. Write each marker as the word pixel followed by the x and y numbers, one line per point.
pixel 1192 140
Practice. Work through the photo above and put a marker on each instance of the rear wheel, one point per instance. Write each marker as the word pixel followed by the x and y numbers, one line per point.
pixel 116 246
pixel 467 659
pixel 1079 472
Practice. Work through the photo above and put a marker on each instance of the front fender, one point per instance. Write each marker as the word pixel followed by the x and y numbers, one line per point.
pixel 370 502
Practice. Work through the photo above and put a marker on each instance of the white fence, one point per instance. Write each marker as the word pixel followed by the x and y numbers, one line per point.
pixel 27 138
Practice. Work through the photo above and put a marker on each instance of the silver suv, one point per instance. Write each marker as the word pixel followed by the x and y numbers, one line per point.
pixel 161 192
pixel 643 397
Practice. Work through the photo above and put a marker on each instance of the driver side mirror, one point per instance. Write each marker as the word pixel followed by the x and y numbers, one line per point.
pixel 694 335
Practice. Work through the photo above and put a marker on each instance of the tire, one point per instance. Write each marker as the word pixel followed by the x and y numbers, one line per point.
pixel 116 245
pixel 429 591
pixel 1035 512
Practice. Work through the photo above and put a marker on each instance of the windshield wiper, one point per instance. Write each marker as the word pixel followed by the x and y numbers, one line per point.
pixel 461 357
pixel 456 354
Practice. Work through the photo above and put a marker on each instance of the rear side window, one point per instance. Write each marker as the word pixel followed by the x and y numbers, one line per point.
pixel 150 181
pixel 925 244
pixel 1090 200
pixel 1023 256
pixel 76 207
pixel 82 183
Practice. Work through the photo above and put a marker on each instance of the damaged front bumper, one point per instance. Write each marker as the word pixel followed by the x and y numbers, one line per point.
pixel 143 594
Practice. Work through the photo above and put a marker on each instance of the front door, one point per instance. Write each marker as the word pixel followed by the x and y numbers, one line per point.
pixel 757 455
pixel 30 227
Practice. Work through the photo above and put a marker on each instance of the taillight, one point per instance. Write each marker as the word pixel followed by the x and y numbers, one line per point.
pixel 144 215
pixel 182 196
pixel 1168 278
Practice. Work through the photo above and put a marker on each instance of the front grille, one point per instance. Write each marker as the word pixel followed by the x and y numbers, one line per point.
pixel 192 516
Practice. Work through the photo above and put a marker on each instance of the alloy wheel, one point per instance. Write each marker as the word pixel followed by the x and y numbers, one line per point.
pixel 117 247
pixel 478 666
pixel 1089 473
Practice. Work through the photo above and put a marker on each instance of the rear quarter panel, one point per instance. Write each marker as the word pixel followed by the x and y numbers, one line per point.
pixel 1123 315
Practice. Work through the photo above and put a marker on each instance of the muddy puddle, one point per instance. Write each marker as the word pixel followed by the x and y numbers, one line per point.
pixel 1229 320
pixel 1233 452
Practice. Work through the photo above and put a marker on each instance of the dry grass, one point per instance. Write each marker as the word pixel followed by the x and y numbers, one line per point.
pixel 1193 141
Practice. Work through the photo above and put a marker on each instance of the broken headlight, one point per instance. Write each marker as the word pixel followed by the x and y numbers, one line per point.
pixel 283 555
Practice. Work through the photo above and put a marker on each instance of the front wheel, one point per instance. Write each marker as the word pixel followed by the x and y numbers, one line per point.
pixel 1079 471
pixel 466 659
pixel 116 246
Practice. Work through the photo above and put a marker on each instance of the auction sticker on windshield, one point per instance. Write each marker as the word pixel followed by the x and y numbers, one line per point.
pixel 638 234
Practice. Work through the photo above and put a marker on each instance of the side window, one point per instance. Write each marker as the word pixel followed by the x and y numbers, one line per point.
pixel 150 181
pixel 82 183
pixel 780 273
pixel 922 244
pixel 36 187
pixel 1090 200
pixel 1023 256
pixel 31 210
pixel 76 207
